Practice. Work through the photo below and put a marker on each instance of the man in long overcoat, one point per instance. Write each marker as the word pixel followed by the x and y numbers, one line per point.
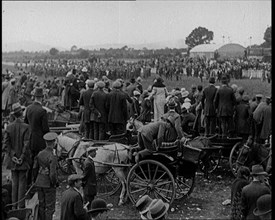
pixel 85 101
pixel 225 101
pixel 98 105
pixel 16 143
pixel 37 118
pixel 208 107
pixel 117 106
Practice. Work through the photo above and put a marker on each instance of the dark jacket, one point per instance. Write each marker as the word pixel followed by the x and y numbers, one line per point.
pixel 89 178
pixel 225 101
pixel 207 100
pixel 145 115
pixel 236 191
pixel 85 101
pixel 16 142
pixel 37 118
pixel 74 96
pixel 46 162
pixel 117 106
pixel 250 194
pixel 242 118
pixel 72 206
pixel 134 108
pixel 98 104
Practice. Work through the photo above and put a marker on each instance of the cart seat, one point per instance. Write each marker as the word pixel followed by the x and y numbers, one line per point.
pixel 169 148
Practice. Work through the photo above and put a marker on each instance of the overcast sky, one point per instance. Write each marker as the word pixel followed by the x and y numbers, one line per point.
pixel 85 23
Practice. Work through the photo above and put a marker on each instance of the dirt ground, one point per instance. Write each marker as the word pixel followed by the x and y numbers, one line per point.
pixel 205 202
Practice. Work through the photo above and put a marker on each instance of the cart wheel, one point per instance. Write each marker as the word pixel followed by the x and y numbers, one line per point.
pixel 108 183
pixel 211 161
pixel 152 178
pixel 184 186
pixel 237 158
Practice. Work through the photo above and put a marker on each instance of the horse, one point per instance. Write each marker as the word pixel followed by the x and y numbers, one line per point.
pixel 114 155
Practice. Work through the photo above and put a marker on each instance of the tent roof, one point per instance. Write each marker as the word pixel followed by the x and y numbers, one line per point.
pixel 206 48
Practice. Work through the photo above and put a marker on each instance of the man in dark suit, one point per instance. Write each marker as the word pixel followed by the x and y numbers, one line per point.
pixel 46 181
pixel 89 177
pixel 135 106
pixel 117 106
pixel 130 89
pixel 208 107
pixel 98 105
pixel 84 101
pixel 16 143
pixel 37 118
pixel 253 191
pixel 225 102
pixel 72 202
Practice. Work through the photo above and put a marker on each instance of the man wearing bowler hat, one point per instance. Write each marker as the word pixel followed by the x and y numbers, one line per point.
pixel 253 191
pixel 99 210
pixel 208 107
pixel 263 209
pixel 16 144
pixel 46 181
pixel 37 118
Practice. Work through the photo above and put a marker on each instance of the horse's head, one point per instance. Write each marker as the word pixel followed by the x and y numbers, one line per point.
pixel 134 124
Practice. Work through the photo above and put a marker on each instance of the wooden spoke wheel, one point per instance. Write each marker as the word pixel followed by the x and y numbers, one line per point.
pixel 152 178
pixel 107 183
pixel 237 157
pixel 184 186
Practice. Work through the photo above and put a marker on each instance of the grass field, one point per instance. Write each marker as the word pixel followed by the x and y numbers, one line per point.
pixel 251 86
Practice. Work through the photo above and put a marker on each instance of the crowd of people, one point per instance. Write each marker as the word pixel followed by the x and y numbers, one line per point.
pixel 105 104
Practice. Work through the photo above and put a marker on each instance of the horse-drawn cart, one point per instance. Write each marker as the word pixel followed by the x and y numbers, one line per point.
pixel 168 174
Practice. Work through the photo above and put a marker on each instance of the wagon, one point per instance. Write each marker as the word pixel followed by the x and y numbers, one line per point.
pixel 168 174
pixel 220 149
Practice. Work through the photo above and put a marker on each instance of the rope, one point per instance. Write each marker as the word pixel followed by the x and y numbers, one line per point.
pixel 22 198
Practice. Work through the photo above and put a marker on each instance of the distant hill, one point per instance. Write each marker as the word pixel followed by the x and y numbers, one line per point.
pixel 32 46
pixel 29 46
pixel 157 45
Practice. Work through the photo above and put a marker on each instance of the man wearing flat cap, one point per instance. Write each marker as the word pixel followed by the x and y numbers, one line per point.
pixel 84 102
pixel 72 205
pixel 225 102
pixel 117 107
pixel 98 105
pixel 46 181
pixel 16 144
pixel 253 191
pixel 37 118
pixel 89 177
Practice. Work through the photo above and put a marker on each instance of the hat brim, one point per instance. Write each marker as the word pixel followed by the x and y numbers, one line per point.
pixel 98 210
pixel 162 214
pixel 257 212
pixel 260 173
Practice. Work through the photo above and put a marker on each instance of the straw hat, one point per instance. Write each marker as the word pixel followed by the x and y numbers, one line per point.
pixel 143 204
pixel 157 210
pixel 16 107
